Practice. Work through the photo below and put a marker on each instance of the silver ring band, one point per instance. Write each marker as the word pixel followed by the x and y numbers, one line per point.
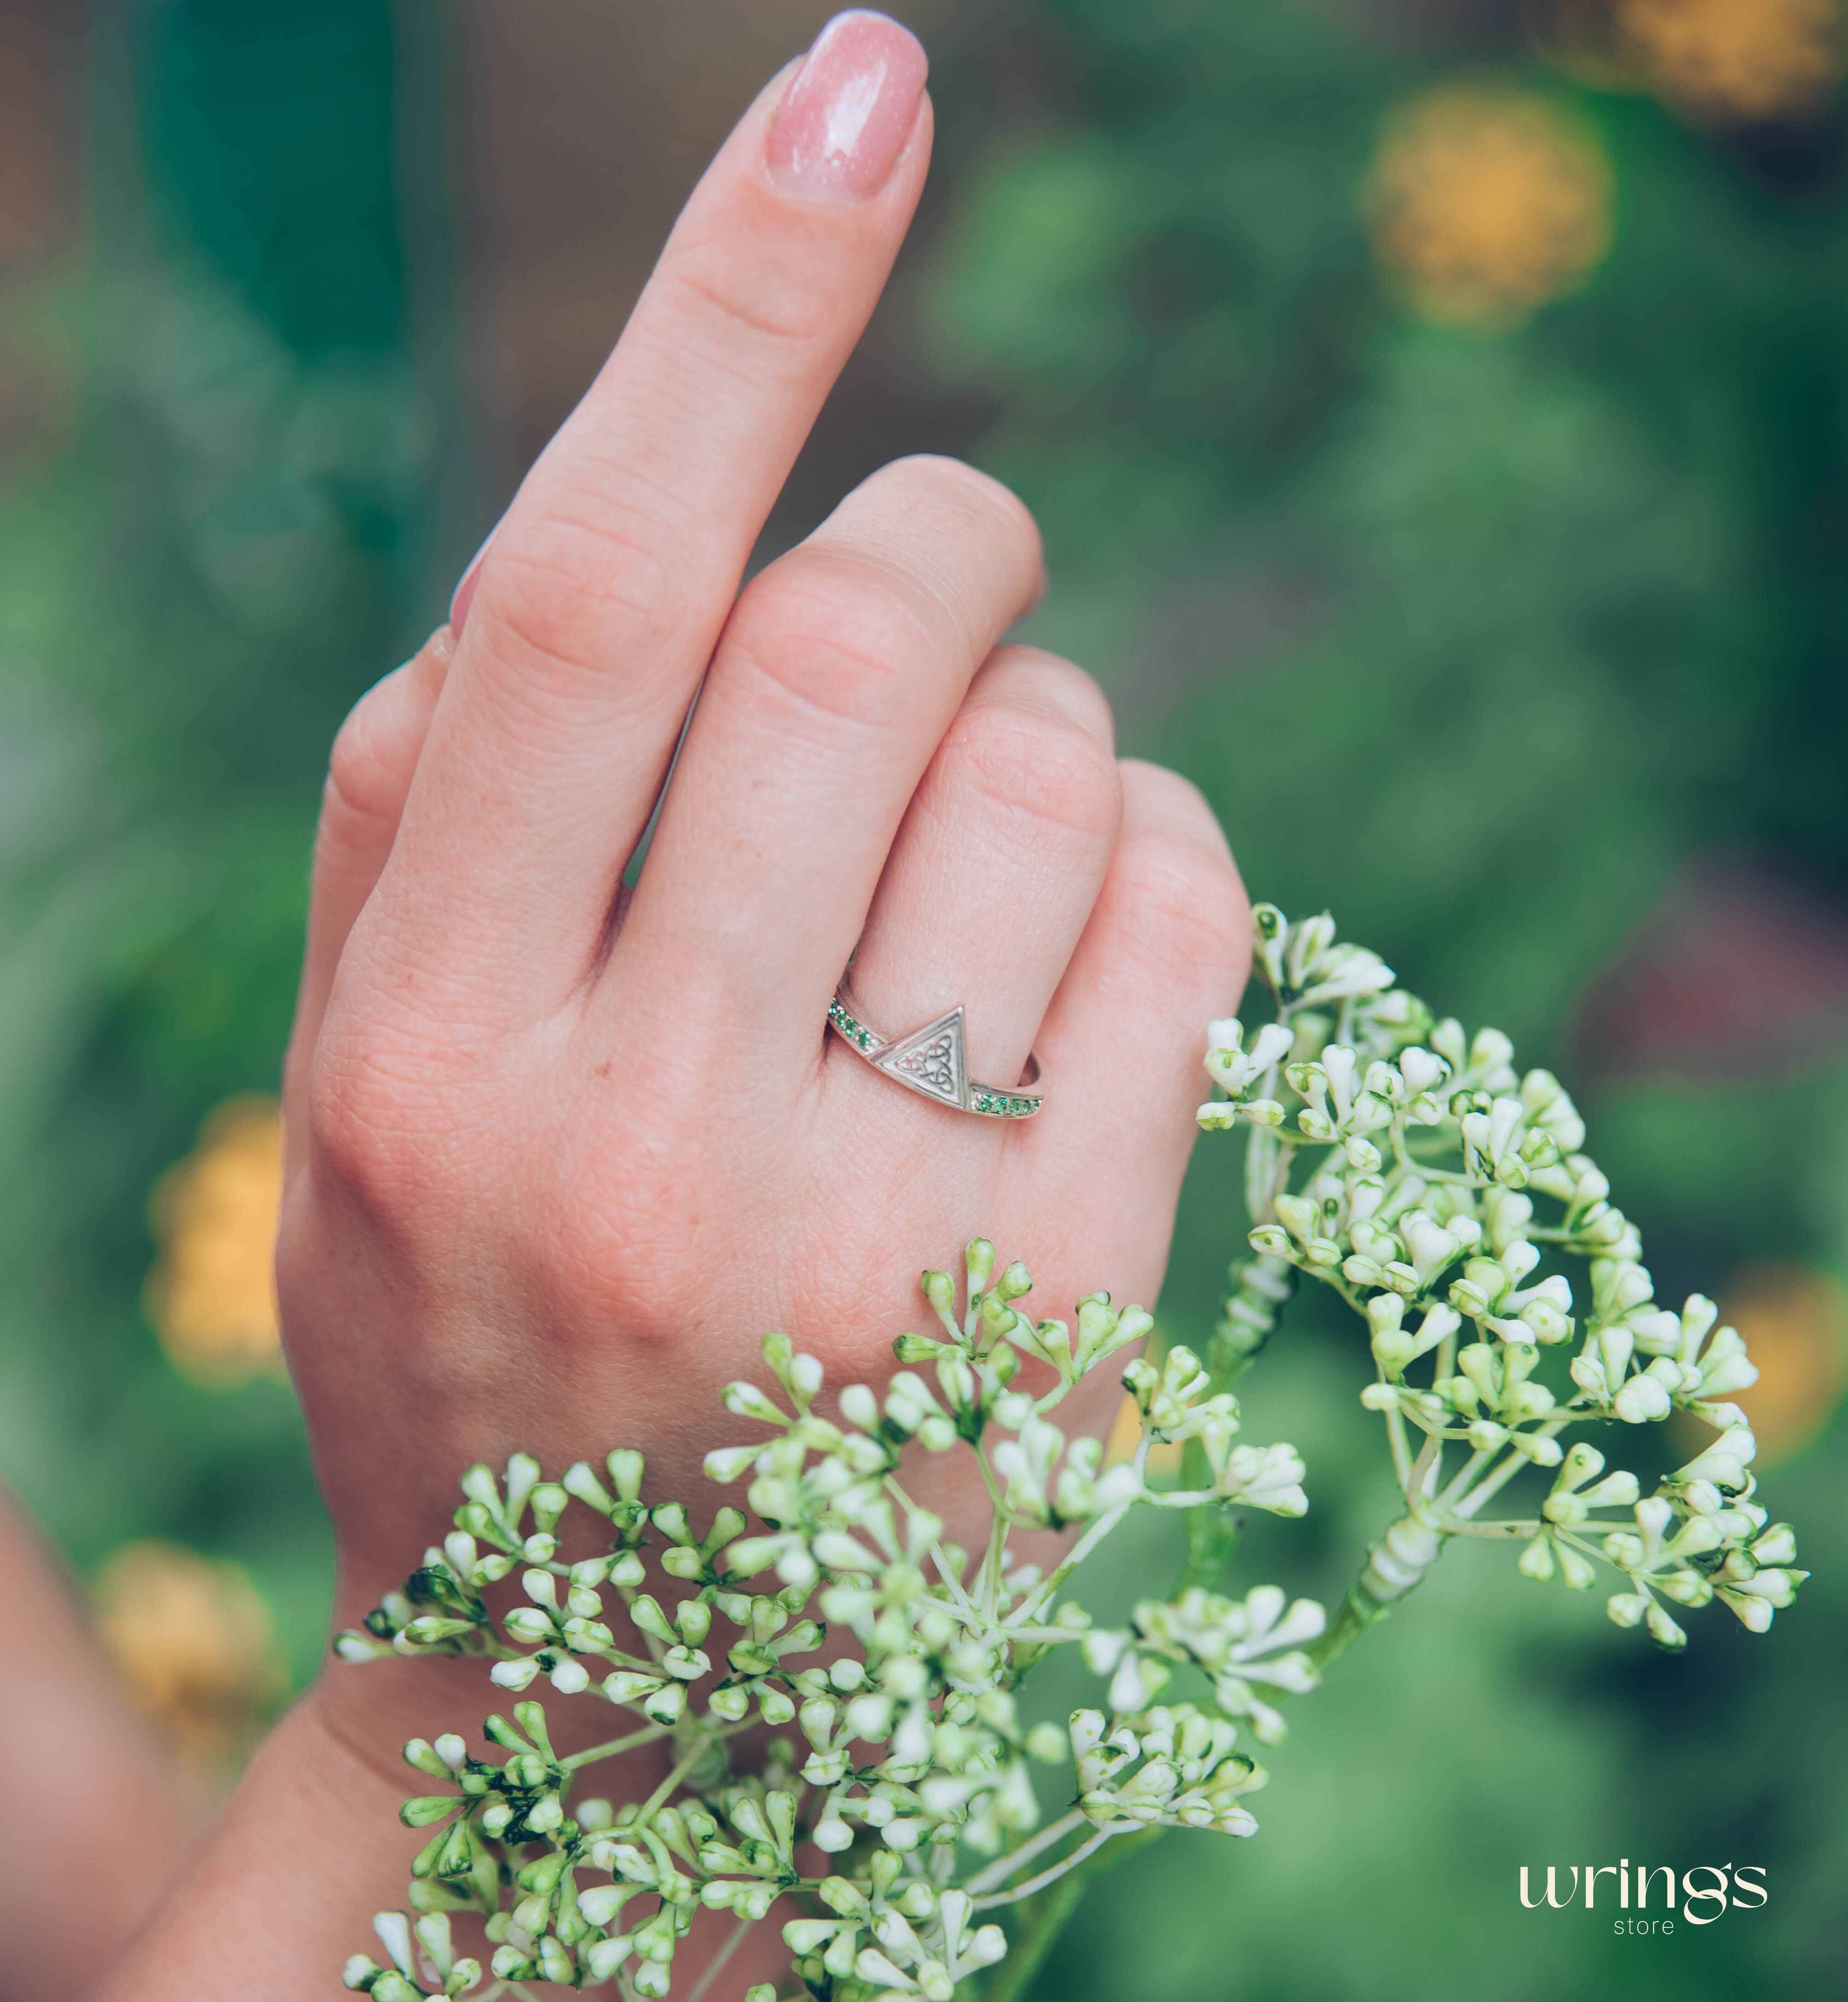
pixel 930 1061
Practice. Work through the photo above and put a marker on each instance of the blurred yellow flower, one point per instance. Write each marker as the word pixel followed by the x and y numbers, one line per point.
pixel 1487 201
pixel 1734 61
pixel 212 1295
pixel 1795 1322
pixel 195 1645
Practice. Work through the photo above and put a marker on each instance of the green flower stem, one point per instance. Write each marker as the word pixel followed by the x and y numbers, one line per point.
pixel 1044 1920
pixel 945 1570
pixel 1050 1875
pixel 1478 1464
pixel 1265 1173
pixel 993 1562
pixel 998 1873
pixel 1395 1438
pixel 649 1735
pixel 1500 1476
pixel 716 1966
pixel 1358 1611
pixel 664 1792
pixel 1073 1558
pixel 1211 1532
pixel 1037 1636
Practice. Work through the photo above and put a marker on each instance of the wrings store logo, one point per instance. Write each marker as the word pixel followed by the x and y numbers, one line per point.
pixel 1707 1892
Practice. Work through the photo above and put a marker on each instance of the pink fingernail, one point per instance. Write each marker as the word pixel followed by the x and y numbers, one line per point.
pixel 846 117
pixel 464 591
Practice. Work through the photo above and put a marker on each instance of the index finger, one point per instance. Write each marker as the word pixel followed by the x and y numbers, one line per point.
pixel 599 601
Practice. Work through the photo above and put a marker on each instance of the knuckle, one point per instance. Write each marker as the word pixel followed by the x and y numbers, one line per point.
pixel 371 1128
pixel 586 579
pixel 1184 907
pixel 1058 683
pixel 967 486
pixel 352 1144
pixel 833 633
pixel 952 488
pixel 368 769
pixel 766 305
pixel 1029 765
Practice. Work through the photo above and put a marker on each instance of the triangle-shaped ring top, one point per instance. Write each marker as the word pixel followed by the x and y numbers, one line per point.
pixel 932 1060
pixel 933 1063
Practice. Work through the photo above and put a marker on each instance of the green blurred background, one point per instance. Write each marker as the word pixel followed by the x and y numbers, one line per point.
pixel 1438 412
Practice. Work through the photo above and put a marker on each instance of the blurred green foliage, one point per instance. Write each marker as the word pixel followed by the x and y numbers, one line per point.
pixel 1475 639
pixel 213 560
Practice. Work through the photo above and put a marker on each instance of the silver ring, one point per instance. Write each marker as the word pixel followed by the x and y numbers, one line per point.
pixel 931 1061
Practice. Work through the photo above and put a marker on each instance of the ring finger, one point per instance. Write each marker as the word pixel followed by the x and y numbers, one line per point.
pixel 997 866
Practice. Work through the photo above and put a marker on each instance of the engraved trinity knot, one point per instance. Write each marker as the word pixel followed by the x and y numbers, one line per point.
pixel 931 1061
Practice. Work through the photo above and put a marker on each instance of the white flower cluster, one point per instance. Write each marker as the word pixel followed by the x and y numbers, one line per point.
pixel 902 1811
pixel 891 1829
pixel 1448 1198
pixel 1237 1643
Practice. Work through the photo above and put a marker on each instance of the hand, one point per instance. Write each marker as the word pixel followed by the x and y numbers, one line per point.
pixel 560 1151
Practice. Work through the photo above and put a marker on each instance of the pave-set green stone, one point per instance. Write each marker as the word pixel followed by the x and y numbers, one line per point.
pixel 930 1061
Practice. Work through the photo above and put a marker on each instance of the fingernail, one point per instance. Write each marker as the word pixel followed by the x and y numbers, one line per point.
pixel 464 591
pixel 850 109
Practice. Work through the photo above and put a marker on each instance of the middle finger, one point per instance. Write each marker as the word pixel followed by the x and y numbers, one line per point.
pixel 836 678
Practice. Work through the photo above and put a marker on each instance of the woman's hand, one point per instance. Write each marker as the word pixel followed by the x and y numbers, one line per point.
pixel 558 1152
pixel 561 1153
